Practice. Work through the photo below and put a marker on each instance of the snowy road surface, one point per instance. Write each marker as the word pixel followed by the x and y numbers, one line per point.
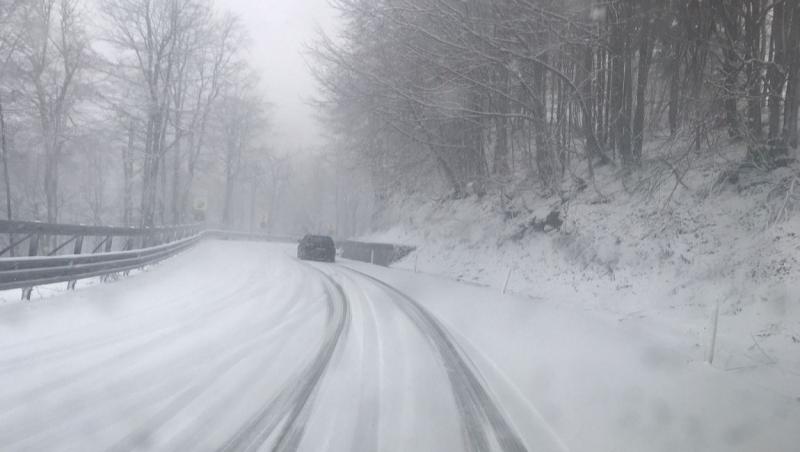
pixel 239 346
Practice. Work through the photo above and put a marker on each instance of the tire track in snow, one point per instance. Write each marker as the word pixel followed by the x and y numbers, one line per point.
pixel 224 405
pixel 194 371
pixel 58 346
pixel 367 345
pixel 164 334
pixel 245 350
pixel 282 421
pixel 482 419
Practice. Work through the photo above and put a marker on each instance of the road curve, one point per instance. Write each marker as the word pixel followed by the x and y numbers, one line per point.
pixel 482 420
pixel 283 418
pixel 237 347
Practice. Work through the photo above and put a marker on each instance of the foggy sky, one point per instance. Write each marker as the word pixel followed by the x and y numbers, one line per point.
pixel 278 30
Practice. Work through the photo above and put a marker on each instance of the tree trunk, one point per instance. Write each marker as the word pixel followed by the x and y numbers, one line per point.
pixel 154 146
pixel 501 165
pixel 543 151
pixel 776 77
pixel 792 102
pixel 150 172
pixel 175 202
pixel 188 183
pixel 673 115
pixel 625 87
pixel 127 176
pixel 645 56
pixel 149 182
pixel 6 178
pixel 730 95
pixel 601 101
pixel 617 52
pixel 754 93
pixel 162 189
pixel 51 179
pixel 227 207
pixel 584 80
pixel 730 68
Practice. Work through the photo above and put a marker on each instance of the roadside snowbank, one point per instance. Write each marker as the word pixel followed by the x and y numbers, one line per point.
pixel 657 263
pixel 593 383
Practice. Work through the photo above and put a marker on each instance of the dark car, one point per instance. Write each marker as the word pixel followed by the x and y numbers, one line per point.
pixel 316 248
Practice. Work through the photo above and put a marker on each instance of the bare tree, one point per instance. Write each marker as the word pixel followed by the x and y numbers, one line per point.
pixel 53 53
pixel 9 41
pixel 242 122
pixel 461 85
pixel 148 36
pixel 215 60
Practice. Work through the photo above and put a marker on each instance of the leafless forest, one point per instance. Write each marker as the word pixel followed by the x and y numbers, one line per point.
pixel 479 96
pixel 142 112
pixel 132 112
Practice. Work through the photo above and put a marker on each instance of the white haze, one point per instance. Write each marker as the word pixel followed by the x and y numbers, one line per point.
pixel 553 225
pixel 279 31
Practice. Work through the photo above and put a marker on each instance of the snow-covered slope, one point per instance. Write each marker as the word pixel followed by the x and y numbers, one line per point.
pixel 654 257
pixel 593 383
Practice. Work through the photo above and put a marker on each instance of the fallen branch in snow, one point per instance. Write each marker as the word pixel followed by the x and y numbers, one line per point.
pixel 782 212
pixel 671 194
pixel 678 175
pixel 508 278
pixel 553 221
pixel 769 357
pixel 715 323
pixel 738 368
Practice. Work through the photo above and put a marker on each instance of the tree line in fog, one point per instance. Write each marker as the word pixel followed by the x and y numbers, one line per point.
pixel 475 95
pixel 134 112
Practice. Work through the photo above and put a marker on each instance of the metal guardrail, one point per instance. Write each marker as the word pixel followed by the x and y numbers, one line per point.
pixel 47 257
pixel 95 251
pixel 26 272
pixel 79 229
pixel 250 236
pixel 51 239
pixel 383 254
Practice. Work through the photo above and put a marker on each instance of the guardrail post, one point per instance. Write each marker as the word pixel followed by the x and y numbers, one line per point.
pixel 128 246
pixel 508 278
pixel 76 250
pixel 109 243
pixel 44 240
pixel 33 250
pixel 33 245
pixel 714 326
pixel 78 245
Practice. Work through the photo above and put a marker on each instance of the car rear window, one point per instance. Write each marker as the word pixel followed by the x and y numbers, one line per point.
pixel 319 240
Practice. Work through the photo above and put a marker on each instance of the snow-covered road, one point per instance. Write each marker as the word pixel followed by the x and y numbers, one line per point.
pixel 239 346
